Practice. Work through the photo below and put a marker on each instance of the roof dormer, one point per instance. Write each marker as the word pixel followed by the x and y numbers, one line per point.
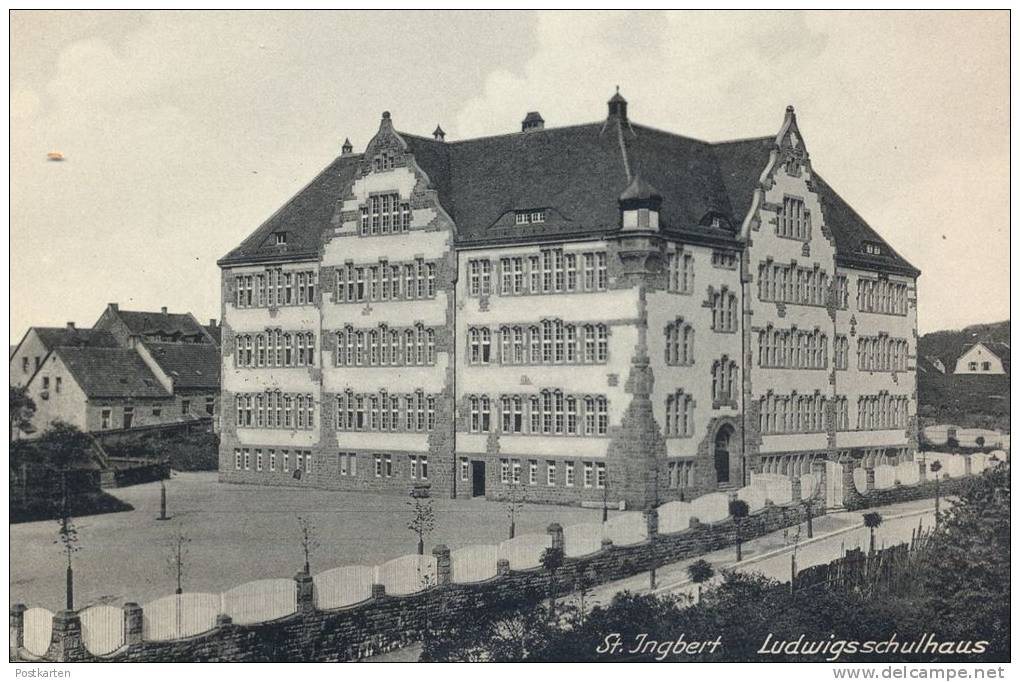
pixel 640 204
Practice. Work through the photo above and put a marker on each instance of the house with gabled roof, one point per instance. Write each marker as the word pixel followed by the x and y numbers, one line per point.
pixel 984 358
pixel 595 312
pixel 131 370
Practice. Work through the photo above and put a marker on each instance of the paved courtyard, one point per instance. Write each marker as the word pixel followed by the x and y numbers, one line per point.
pixel 240 533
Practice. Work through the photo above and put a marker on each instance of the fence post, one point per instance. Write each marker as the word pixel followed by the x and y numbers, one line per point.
pixel 133 623
pixel 822 473
pixel 502 567
pixel 17 629
pixel 922 471
pixel 795 490
pixel 305 587
pixel 65 643
pixel 444 567
pixel 652 523
pixel 967 470
pixel 378 591
pixel 869 479
pixel 556 531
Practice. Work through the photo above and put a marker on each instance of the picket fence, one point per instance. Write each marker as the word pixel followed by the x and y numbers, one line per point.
pixel 102 628
pixel 38 625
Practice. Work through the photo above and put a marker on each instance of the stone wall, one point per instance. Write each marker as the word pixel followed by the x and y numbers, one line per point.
pixel 384 623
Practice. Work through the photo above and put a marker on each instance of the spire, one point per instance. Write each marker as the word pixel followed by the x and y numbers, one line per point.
pixel 439 134
pixel 348 148
pixel 618 106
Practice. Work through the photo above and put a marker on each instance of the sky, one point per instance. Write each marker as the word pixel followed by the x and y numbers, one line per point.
pixel 183 131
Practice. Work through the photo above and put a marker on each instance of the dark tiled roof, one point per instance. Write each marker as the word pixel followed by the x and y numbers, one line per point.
pixel 213 330
pixel 577 174
pixel 190 365
pixel 304 218
pixel 53 337
pixel 111 373
pixel 161 323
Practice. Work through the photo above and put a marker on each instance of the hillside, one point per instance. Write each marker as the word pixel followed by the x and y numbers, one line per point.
pixel 967 401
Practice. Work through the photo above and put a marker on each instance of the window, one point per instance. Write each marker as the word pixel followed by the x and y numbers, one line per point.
pixel 281 238
pixel 679 415
pixel 237 459
pixel 724 310
pixel 680 272
pixel 129 415
pixel 247 460
pixel 529 217
pixel 378 466
pixel 424 468
pixel 600 475
pixel 985 366
pixel 872 249
pixel 588 474
pixel 724 259
pixel 569 473
pixel 157 411
pixel 516 471
pixel 479 277
pixel 679 343
pixel 532 472
pixel 465 468
pixel 286 461
pixel 794 220
pixel 185 408
pixel 882 296
pixel 272 460
pixel 258 460
pixel 787 283
pixel 724 381
pixel 45 383
pixel 24 365
pixel 210 405
pixel 550 472
pixel 504 471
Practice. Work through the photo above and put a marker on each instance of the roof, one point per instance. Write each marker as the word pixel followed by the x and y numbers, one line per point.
pixel 53 337
pixel 145 323
pixel 305 217
pixel 215 331
pixel 190 365
pixel 577 175
pixel 111 372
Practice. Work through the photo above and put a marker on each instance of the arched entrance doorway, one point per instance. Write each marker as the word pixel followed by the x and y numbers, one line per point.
pixel 722 453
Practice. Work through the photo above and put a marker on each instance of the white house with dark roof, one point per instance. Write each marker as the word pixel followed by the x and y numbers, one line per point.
pixel 983 359
pixel 596 311
pixel 131 370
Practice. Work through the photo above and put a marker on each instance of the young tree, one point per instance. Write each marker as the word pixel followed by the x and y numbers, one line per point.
pixel 22 409
pixel 872 520
pixel 739 511
pixel 67 537
pixel 699 572
pixel 936 467
pixel 177 556
pixel 423 519
pixel 309 541
pixel 515 494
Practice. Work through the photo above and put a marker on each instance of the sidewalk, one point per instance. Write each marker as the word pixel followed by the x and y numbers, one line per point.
pixel 838 528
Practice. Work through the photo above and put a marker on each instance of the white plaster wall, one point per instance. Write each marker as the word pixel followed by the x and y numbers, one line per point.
pixel 69 405
pixel 978 354
pixel 31 347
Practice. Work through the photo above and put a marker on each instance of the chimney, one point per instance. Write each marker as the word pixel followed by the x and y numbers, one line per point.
pixel 618 106
pixel 212 321
pixel 348 148
pixel 113 306
pixel 70 326
pixel 439 134
pixel 163 310
pixel 132 340
pixel 533 121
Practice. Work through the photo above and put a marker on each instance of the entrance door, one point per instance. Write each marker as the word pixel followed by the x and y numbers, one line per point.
pixel 722 454
pixel 477 479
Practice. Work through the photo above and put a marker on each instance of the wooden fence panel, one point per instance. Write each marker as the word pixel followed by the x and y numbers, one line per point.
pixel 102 629
pixel 38 630
pixel 525 551
pixel 582 539
pixel 261 600
pixel 754 495
pixel 344 586
pixel 711 508
pixel 626 529
pixel 407 574
pixel 674 517
pixel 861 480
pixel 885 476
pixel 474 563
pixel 180 615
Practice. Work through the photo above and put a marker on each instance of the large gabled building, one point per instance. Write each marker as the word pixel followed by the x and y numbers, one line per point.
pixel 603 310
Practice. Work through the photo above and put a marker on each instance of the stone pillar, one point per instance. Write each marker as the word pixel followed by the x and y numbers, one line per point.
pixel 652 522
pixel 821 472
pixel 869 483
pixel 693 522
pixel 502 567
pixel 967 470
pixel 66 645
pixel 556 531
pixel 795 490
pixel 607 544
pixel 133 623
pixel 378 591
pixel 850 494
pixel 305 587
pixel 17 629
pixel 223 620
pixel 922 471
pixel 444 567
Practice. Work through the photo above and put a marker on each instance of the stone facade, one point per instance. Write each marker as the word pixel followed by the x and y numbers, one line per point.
pixel 613 407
